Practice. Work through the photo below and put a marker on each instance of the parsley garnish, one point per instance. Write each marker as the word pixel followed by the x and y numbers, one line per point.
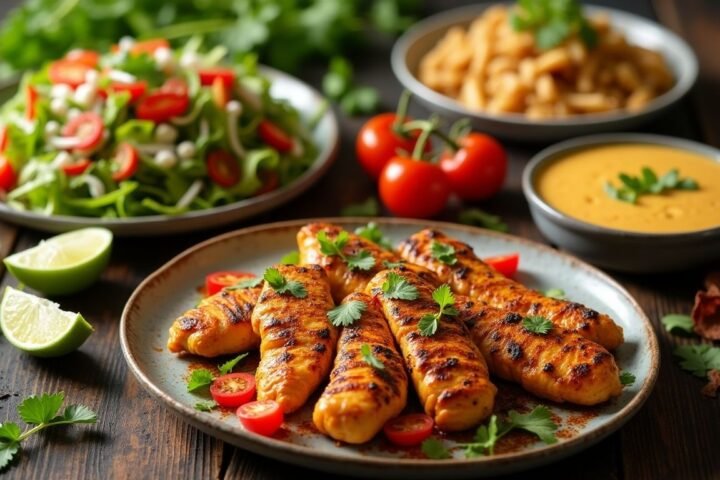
pixel 347 313
pixel 675 322
pixel 387 264
pixel 435 449
pixel 368 208
pixel 205 406
pixel 374 234
pixel 627 378
pixel 537 324
pixel 648 183
pixel 558 293
pixel 363 260
pixel 249 283
pixel 479 218
pixel 698 359
pixel 282 286
pixel 228 366
pixel 396 287
pixel 291 258
pixel 443 252
pixel 430 322
pixel 369 358
pixel 200 378
pixel 42 412
pixel 551 22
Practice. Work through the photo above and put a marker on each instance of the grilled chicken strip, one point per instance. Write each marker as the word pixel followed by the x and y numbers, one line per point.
pixel 297 339
pixel 343 280
pixel 472 277
pixel 219 325
pixel 560 366
pixel 360 398
pixel 447 369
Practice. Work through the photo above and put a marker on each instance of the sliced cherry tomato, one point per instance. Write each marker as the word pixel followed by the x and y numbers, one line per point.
pixel 175 85
pixel 223 168
pixel 87 128
pixel 412 188
pixel 31 97
pixel 69 72
pixel 86 57
pixel 408 430
pixel 77 167
pixel 263 417
pixel 149 46
pixel 233 389
pixel 162 106
pixel 275 136
pixel 377 143
pixel 216 281
pixel 135 89
pixel 270 181
pixel 209 75
pixel 3 138
pixel 477 170
pixel 505 264
pixel 220 92
pixel 125 162
pixel 7 174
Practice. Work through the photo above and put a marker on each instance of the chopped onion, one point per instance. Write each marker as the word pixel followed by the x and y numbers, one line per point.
pixel 95 185
pixel 120 76
pixel 152 148
pixel 234 110
pixel 64 143
pixel 190 195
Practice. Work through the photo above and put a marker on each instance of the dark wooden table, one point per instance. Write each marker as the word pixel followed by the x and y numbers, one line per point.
pixel 676 434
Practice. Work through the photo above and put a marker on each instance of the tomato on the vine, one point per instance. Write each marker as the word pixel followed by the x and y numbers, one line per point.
pixel 477 170
pixel 413 188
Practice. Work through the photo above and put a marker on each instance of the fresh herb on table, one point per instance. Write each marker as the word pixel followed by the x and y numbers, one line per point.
pixel 445 300
pixel 698 359
pixel 627 379
pixel 373 233
pixel 396 287
pixel 199 379
pixel 41 412
pixel 369 358
pixel 347 313
pixel 675 322
pixel 553 21
pixel 648 183
pixel 537 324
pixel 558 293
pixel 435 449
pixel 208 406
pixel 367 208
pixel 228 366
pixel 443 252
pixel 248 283
pixel 338 85
pixel 363 260
pixel 282 285
pixel 291 258
pixel 479 218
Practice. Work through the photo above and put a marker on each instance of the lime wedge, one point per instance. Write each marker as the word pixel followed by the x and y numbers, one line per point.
pixel 65 263
pixel 38 326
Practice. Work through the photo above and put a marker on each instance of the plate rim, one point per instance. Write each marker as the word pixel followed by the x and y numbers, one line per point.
pixel 289 451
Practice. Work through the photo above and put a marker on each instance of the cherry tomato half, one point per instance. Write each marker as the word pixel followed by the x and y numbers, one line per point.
pixel 69 72
pixel 221 94
pixel 209 75
pixel 30 102
pixel 263 417
pixel 233 389
pixel 275 136
pixel 7 174
pixel 477 170
pixel 505 264
pixel 161 106
pixel 135 89
pixel 412 188
pixel 223 168
pixel 125 162
pixel 87 128
pixel 77 167
pixel 3 138
pixel 408 430
pixel 216 281
pixel 86 57
pixel 377 143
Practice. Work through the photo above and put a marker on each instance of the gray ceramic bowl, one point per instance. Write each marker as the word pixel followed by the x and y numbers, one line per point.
pixel 618 249
pixel 419 39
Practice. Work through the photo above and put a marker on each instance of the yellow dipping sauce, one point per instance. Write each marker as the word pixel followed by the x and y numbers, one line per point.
pixel 574 184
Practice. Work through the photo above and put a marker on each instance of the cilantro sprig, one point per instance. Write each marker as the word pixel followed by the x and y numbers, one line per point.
pixel 675 322
pixel 202 377
pixel 480 218
pixel 41 412
pixel 698 359
pixel 282 285
pixel 248 283
pixel 553 21
pixel 347 313
pixel 371 359
pixel 558 293
pixel 627 379
pixel 397 288
pixel 648 183
pixel 538 325
pixel 291 258
pixel 362 260
pixel 443 252
pixel 445 300
pixel 373 233
pixel 435 449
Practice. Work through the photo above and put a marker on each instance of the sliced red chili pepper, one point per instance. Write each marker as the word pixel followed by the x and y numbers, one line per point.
pixel 3 138
pixel 223 168
pixel 7 174
pixel 76 168
pixel 275 136
pixel 162 106
pixel 209 75
pixel 31 97
pixel 125 162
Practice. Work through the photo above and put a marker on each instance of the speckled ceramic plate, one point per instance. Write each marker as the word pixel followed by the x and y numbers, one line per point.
pixel 172 289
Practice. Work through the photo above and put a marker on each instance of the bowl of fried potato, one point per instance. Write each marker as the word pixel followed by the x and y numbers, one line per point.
pixel 531 73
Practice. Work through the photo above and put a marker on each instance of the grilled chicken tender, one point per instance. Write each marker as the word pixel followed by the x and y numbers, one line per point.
pixel 447 369
pixel 472 277
pixel 297 339
pixel 343 280
pixel 219 325
pixel 560 366
pixel 360 398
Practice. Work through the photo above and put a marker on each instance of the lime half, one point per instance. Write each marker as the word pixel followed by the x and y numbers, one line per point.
pixel 38 326
pixel 65 263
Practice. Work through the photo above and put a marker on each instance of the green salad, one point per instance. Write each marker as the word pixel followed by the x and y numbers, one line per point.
pixel 146 130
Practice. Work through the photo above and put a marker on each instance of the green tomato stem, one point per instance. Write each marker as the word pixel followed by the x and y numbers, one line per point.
pixel 428 126
pixel 401 113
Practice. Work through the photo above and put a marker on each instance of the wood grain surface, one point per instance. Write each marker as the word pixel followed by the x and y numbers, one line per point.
pixel 675 436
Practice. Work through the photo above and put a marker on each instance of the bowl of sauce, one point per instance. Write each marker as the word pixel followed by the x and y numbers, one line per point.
pixel 630 202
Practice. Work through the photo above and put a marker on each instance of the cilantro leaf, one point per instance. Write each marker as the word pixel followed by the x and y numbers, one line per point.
pixel 443 252
pixel 9 432
pixel 291 258
pixel 282 286
pixel 485 438
pixel 627 378
pixel 444 298
pixel 374 234
pixel 369 358
pixel 558 293
pixel 396 287
pixel 77 414
pixel 428 325
pixel 537 324
pixel 228 366
pixel 363 260
pixel 7 453
pixel 199 379
pixel 698 359
pixel 552 22
pixel 247 283
pixel 347 313
pixel 479 218
pixel 677 322
pixel 36 410
pixel 368 208
pixel 648 183
pixel 435 449
pixel 538 421
pixel 205 406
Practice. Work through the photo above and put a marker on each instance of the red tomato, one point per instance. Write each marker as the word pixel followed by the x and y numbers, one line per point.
pixel 505 264
pixel 135 89
pixel 161 106
pixel 3 138
pixel 216 281
pixel 149 46
pixel 275 136
pixel 377 143
pixel 125 162
pixel 175 85
pixel 412 188
pixel 86 57
pixel 7 174
pixel 77 167
pixel 209 75
pixel 233 389
pixel 30 102
pixel 262 417
pixel 223 168
pixel 408 430
pixel 270 179
pixel 69 72
pixel 87 128
pixel 220 92
pixel 477 170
